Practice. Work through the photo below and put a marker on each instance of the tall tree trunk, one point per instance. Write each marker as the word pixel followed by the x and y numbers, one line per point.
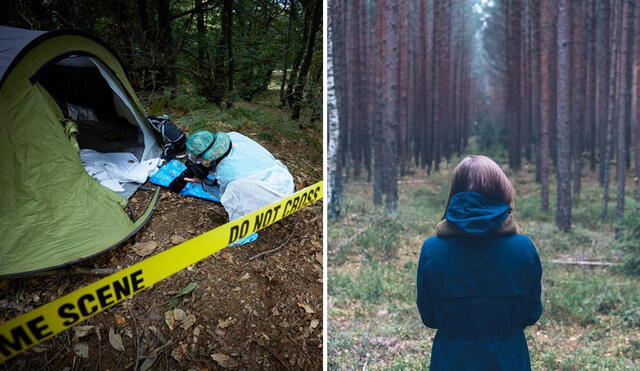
pixel 592 76
pixel 304 69
pixel 436 93
pixel 204 71
pixel 545 107
pixel 563 215
pixel 227 30
pixel 292 14
pixel 603 37
pixel 624 122
pixel 165 43
pixel 144 18
pixel 334 189
pixel 613 77
pixel 402 87
pixel 578 88
pixel 536 88
pixel 390 125
pixel 308 9
pixel 381 83
pixel 636 142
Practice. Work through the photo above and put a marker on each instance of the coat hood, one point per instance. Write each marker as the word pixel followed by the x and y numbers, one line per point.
pixel 475 213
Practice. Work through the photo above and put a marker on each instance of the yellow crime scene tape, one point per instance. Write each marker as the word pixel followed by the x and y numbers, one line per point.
pixel 44 322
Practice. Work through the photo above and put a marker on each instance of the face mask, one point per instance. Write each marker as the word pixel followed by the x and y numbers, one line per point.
pixel 200 160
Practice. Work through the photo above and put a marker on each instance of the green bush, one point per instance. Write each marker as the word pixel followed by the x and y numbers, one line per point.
pixel 631 240
pixel 382 239
pixel 183 99
pixel 367 285
pixel 582 296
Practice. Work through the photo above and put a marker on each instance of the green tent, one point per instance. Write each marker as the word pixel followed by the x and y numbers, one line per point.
pixel 52 212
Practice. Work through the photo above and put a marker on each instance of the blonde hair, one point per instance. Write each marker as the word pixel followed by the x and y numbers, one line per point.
pixel 480 174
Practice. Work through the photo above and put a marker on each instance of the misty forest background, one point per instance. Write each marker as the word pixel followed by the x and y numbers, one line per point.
pixel 550 89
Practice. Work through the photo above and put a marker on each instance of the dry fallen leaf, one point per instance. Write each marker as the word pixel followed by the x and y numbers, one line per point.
pixel 39 349
pixel 179 315
pixel 319 258
pixel 175 239
pixel 314 323
pixel 307 307
pixel 144 248
pixel 115 340
pixel 223 360
pixel 120 320
pixel 81 331
pixel 188 322
pixel 169 320
pixel 219 357
pixel 81 350
pixel 245 277
pixel 316 244
pixel 224 323
pixel 176 353
pixel 146 365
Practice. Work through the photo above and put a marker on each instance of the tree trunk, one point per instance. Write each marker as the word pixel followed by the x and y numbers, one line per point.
pixel 308 9
pixel 292 13
pixel 578 88
pixel 165 43
pixel 563 215
pixel 334 187
pixel 227 30
pixel 381 81
pixel 144 20
pixel 304 69
pixel 545 107
pixel 637 126
pixel 602 65
pixel 390 125
pixel 613 77
pixel 536 88
pixel 624 122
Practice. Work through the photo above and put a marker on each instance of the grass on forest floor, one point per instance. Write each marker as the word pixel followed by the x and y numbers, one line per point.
pixel 263 115
pixel 591 318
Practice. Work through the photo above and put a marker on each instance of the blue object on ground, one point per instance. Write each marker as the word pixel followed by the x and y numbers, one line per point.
pixel 250 238
pixel 167 173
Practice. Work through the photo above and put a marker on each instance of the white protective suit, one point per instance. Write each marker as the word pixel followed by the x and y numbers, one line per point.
pixel 250 177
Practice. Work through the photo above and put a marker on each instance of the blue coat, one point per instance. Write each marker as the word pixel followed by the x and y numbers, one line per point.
pixel 479 290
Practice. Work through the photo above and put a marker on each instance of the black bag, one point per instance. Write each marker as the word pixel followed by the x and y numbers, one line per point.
pixel 173 139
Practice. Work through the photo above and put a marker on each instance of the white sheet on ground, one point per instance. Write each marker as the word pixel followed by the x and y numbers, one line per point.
pixel 114 169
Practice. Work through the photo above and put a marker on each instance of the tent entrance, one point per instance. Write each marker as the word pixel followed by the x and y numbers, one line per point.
pixel 105 123
pixel 87 92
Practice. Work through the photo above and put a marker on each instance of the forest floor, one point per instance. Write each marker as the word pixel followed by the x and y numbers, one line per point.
pixel 591 318
pixel 262 313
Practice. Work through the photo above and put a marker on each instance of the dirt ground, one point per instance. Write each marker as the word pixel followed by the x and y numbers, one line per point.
pixel 244 313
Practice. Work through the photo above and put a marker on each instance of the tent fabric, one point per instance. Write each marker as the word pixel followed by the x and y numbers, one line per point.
pixel 12 41
pixel 52 213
